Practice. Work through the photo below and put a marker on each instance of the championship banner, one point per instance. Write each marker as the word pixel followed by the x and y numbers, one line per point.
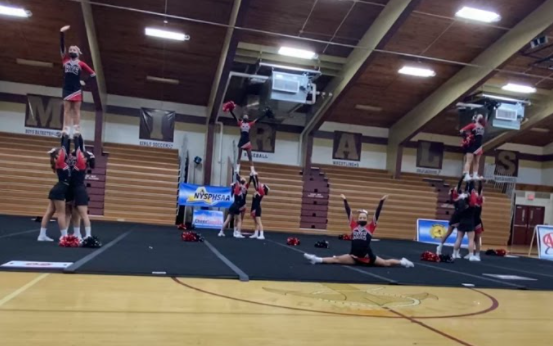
pixel 430 156
pixel 263 139
pixel 43 116
pixel 207 219
pixel 545 242
pixel 432 231
pixel 157 128
pixel 346 149
pixel 205 196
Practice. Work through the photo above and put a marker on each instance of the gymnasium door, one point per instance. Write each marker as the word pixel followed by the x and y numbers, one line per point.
pixel 526 218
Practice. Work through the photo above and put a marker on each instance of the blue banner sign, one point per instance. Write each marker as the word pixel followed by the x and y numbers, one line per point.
pixel 432 231
pixel 207 219
pixel 205 196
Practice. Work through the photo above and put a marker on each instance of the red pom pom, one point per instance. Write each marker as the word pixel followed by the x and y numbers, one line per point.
pixel 293 241
pixel 501 252
pixel 70 241
pixel 430 257
pixel 229 106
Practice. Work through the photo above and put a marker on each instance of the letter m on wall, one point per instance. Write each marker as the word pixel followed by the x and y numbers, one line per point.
pixel 44 112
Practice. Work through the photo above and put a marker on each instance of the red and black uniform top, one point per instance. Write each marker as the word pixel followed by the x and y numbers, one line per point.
pixel 239 191
pixel 475 197
pixel 245 126
pixel 72 70
pixel 82 160
pixel 457 197
pixel 361 236
pixel 261 190
pixel 61 162
pixel 473 132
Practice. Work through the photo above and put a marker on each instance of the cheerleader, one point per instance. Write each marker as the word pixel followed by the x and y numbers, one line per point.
pixel 478 224
pixel 261 190
pixel 472 144
pixel 458 203
pixel 245 126
pixel 467 224
pixel 72 89
pixel 57 195
pixel 239 190
pixel 361 252
pixel 83 160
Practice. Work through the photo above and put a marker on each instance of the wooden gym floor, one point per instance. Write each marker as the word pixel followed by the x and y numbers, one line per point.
pixel 56 309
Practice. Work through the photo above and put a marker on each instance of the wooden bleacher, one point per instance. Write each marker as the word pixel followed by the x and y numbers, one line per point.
pixel 410 199
pixel 282 207
pixel 141 184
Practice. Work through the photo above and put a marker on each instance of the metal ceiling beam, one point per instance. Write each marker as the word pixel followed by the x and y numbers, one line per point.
pixel 228 52
pixel 468 78
pixel 377 36
pixel 536 117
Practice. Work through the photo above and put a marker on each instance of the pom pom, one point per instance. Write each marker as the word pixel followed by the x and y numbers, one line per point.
pixel 69 241
pixel 501 252
pixel 446 259
pixel 430 257
pixel 92 243
pixel 322 244
pixel 344 237
pixel 293 241
pixel 191 237
pixel 491 252
pixel 229 106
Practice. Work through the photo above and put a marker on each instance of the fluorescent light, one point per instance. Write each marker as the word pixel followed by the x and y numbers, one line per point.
pixel 478 15
pixel 34 63
pixel 297 53
pixel 162 80
pixel 417 71
pixel 539 129
pixel 170 35
pixel 368 108
pixel 519 88
pixel 14 11
pixel 504 98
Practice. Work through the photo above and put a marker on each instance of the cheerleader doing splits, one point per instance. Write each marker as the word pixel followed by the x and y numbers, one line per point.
pixel 239 190
pixel 361 252
pixel 245 126
pixel 474 133
pixel 59 163
pixel 261 190
pixel 72 89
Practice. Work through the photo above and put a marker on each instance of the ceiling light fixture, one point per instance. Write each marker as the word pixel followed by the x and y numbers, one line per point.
pixel 368 108
pixel 478 15
pixel 505 98
pixel 519 88
pixel 539 129
pixel 170 35
pixel 297 53
pixel 14 11
pixel 162 80
pixel 417 71
pixel 34 63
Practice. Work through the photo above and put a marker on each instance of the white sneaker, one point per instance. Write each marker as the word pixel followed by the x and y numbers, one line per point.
pixel 310 258
pixel 456 255
pixel 439 249
pixel 467 177
pixel 221 234
pixel 44 238
pixel 475 176
pixel 253 171
pixel 261 237
pixel 255 235
pixel 406 263
pixel 474 259
pixel 477 256
pixel 238 235
pixel 468 256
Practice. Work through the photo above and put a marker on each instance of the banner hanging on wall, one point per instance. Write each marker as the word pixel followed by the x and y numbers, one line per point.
pixel 263 139
pixel 545 242
pixel 205 196
pixel 432 231
pixel 207 219
pixel 346 149
pixel 430 156
pixel 43 116
pixel 506 166
pixel 157 128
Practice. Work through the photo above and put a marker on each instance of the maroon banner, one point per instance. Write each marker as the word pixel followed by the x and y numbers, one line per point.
pixel 430 154
pixel 347 146
pixel 506 163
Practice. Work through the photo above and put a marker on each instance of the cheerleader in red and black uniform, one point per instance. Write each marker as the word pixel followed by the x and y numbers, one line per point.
pixel 474 133
pixel 72 89
pixel 83 160
pixel 458 204
pixel 239 190
pixel 59 164
pixel 245 126
pixel 361 252
pixel 466 224
pixel 478 224
pixel 261 190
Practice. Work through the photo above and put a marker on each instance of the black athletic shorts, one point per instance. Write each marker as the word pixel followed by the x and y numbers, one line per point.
pixel 58 192
pixel 256 212
pixel 367 259
pixel 236 209
pixel 70 196
pixel 475 147
pixel 81 195
pixel 467 220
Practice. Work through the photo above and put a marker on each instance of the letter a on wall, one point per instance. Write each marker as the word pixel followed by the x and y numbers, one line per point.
pixel 506 163
pixel 430 154
pixel 347 146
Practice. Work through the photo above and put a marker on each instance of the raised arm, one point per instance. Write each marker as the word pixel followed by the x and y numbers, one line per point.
pixel 63 51
pixel 469 127
pixel 346 206
pixel 480 188
pixel 65 142
pixel 379 209
pixel 229 107
pixel 459 183
pixel 255 180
